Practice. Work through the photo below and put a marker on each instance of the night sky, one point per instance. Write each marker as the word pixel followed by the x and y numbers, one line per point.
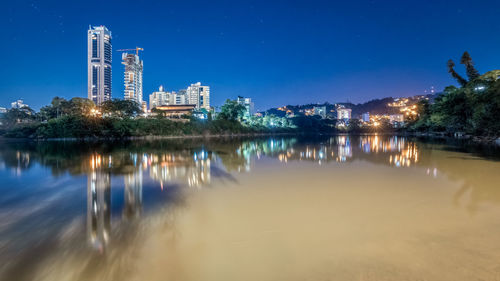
pixel 276 52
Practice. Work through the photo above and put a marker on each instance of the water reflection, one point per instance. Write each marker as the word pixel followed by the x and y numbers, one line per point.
pixel 126 181
pixel 98 204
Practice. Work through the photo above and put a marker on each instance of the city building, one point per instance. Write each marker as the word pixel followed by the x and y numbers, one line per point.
pixel 176 111
pixel 18 104
pixel 365 117
pixel 180 97
pixel 344 113
pixel 199 95
pixel 99 64
pixel 161 97
pixel 320 110
pixel 396 118
pixel 132 79
pixel 248 104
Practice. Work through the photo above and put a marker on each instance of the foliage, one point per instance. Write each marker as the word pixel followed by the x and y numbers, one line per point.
pixel 231 111
pixel 466 60
pixel 17 116
pixel 454 74
pixel 120 108
pixel 473 108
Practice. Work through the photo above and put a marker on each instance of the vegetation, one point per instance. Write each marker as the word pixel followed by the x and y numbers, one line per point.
pixel 80 118
pixel 474 108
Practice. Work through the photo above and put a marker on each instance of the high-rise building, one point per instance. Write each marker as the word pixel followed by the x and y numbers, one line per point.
pixel 99 64
pixel 199 95
pixel 248 104
pixel 132 77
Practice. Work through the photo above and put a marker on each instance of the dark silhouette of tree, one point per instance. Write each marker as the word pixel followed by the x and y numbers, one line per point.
pixel 455 75
pixel 121 108
pixel 466 60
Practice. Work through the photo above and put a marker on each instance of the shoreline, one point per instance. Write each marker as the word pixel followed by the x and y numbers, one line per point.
pixel 464 137
pixel 474 139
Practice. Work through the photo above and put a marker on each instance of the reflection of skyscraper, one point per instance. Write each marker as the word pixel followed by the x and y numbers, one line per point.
pixel 98 208
pixel 133 195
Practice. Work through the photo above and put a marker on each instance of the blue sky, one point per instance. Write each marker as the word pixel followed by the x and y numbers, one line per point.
pixel 277 52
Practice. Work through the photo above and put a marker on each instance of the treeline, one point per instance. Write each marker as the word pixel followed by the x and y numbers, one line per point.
pixel 80 118
pixel 473 108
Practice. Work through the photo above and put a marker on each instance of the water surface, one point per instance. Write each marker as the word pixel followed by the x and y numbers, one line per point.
pixel 280 208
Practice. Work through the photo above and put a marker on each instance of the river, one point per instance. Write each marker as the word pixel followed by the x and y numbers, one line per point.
pixel 272 208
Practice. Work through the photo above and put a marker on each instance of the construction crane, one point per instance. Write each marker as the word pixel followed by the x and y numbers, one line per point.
pixel 137 49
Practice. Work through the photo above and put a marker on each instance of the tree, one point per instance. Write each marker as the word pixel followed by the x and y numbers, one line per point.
pixel 466 60
pixel 231 111
pixel 57 108
pixel 120 108
pixel 18 115
pixel 354 125
pixel 81 106
pixel 455 75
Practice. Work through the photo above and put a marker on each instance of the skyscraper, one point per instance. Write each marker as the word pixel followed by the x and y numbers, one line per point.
pixel 199 95
pixel 99 64
pixel 132 77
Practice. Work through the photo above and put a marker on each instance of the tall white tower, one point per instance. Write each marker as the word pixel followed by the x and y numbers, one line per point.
pixel 99 64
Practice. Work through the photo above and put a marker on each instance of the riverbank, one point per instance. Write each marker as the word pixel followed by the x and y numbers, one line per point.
pixel 458 136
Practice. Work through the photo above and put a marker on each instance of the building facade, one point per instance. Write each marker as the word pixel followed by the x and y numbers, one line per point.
pixel 248 104
pixel 132 79
pixel 18 104
pixel 99 53
pixel 320 111
pixel 161 97
pixel 344 113
pixel 365 117
pixel 199 95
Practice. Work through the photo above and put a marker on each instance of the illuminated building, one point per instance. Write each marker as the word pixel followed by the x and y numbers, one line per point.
pixel 365 117
pixel 161 97
pixel 248 104
pixel 199 95
pixel 344 113
pixel 132 79
pixel 176 110
pixel 99 64
pixel 320 111
pixel 396 119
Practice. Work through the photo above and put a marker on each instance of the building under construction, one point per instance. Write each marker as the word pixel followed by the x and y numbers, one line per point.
pixel 132 75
